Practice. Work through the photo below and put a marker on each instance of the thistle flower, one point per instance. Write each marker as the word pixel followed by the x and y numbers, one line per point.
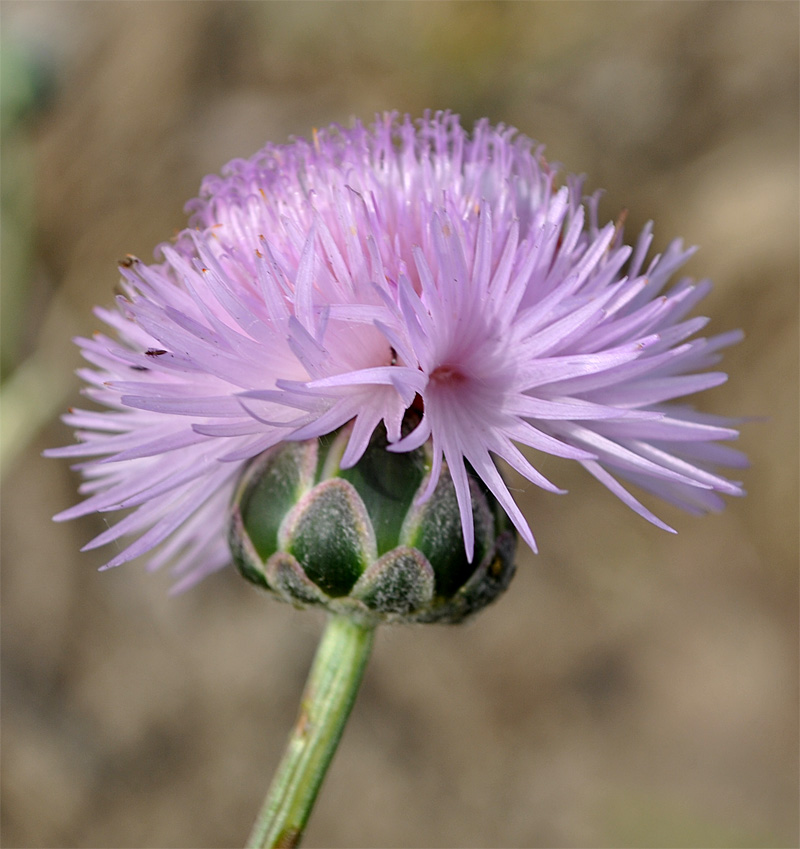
pixel 372 271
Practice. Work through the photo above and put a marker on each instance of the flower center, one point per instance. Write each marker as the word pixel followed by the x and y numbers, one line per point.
pixel 446 374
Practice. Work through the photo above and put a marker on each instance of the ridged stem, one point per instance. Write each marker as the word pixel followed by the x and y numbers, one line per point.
pixel 327 700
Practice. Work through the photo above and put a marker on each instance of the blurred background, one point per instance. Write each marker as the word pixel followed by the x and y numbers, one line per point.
pixel 633 688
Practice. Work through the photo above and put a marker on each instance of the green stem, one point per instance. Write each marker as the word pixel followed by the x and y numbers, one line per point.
pixel 327 700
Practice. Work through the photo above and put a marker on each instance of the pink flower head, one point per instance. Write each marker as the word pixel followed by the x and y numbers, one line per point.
pixel 369 270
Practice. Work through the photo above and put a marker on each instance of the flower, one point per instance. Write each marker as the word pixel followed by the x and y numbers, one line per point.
pixel 371 271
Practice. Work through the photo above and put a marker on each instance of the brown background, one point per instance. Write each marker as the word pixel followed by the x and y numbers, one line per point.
pixel 633 688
